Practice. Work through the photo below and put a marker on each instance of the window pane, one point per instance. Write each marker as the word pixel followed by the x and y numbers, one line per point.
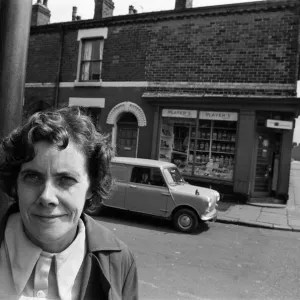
pixel 156 177
pixel 91 50
pixel 90 71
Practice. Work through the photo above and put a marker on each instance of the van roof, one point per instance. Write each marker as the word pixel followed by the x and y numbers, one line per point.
pixel 141 162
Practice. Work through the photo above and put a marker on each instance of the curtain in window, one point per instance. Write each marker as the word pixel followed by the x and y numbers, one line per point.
pixel 87 56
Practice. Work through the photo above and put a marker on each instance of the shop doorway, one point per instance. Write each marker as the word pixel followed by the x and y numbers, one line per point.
pixel 266 166
pixel 127 135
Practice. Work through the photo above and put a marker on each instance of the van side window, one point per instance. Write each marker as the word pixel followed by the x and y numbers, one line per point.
pixel 146 175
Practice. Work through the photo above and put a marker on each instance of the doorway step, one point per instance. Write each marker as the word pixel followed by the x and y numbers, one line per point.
pixel 266 200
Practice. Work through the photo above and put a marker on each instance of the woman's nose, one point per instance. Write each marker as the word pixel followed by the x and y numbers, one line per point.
pixel 48 195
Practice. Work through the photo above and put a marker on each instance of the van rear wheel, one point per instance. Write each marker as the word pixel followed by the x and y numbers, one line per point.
pixel 185 220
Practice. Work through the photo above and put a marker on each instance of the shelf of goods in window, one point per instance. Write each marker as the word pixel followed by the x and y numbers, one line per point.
pixel 223 147
pixel 164 157
pixel 223 135
pixel 166 131
pixel 165 145
pixel 202 146
pixel 186 169
pixel 204 135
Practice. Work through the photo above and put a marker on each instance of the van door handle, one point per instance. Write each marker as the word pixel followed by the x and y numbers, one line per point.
pixel 166 194
pixel 133 186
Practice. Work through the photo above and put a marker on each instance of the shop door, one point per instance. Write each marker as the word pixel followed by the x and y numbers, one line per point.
pixel 127 140
pixel 265 152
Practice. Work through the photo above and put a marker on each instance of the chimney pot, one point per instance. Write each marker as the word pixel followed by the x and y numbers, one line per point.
pixel 183 4
pixel 74 13
pixel 131 8
pixel 45 3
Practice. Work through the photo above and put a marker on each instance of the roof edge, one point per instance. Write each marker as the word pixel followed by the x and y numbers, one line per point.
pixel 216 10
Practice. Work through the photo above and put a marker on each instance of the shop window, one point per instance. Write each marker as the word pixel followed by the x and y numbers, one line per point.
pixel 203 147
pixel 212 149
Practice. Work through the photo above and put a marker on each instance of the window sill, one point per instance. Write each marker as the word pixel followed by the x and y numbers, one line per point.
pixel 88 83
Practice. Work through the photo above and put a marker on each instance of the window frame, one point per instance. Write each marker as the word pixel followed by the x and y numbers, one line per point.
pixel 84 35
pixel 82 61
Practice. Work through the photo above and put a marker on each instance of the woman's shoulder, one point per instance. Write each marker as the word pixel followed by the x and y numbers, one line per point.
pixel 100 238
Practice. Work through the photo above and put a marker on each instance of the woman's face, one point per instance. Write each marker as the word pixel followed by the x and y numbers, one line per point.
pixel 52 190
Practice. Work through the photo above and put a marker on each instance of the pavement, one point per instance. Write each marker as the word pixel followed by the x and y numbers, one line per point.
pixel 272 216
pixel 262 215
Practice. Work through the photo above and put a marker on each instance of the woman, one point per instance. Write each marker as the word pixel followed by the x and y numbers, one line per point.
pixel 51 166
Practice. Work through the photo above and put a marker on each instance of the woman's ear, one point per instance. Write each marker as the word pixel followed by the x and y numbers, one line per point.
pixel 89 194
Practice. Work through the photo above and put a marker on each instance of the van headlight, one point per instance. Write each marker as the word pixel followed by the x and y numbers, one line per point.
pixel 210 203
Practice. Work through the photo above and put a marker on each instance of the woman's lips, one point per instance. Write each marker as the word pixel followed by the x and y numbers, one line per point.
pixel 48 217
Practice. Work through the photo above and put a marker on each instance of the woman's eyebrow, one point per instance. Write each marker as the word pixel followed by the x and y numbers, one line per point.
pixel 29 170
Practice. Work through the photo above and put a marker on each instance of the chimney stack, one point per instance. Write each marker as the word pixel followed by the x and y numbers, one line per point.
pixel 40 13
pixel 183 4
pixel 103 9
pixel 74 13
pixel 132 10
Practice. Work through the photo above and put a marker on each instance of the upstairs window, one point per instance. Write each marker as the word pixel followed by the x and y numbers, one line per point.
pixel 91 59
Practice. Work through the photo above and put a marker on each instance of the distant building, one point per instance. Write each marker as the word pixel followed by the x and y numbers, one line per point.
pixel 212 89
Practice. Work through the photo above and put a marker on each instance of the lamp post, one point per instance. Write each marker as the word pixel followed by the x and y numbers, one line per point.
pixel 15 16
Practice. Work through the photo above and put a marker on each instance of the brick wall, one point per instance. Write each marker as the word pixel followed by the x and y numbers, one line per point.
pixel 70 56
pixel 250 47
pixel 43 57
pixel 258 46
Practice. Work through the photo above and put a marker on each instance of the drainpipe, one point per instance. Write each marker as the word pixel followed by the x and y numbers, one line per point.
pixel 61 48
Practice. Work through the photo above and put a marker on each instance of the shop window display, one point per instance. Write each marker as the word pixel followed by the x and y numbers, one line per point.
pixel 203 148
pixel 174 142
pixel 214 149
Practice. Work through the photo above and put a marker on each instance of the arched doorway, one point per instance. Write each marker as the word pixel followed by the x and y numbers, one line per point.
pixel 127 135
pixel 130 117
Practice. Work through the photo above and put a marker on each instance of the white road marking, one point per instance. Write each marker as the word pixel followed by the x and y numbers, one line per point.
pixel 148 283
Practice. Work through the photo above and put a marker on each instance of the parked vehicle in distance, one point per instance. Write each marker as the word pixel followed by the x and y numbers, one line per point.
pixel 157 188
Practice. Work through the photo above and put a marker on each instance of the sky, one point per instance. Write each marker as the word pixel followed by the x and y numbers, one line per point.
pixel 61 10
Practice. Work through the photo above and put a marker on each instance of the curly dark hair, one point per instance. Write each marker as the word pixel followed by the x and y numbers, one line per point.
pixel 58 127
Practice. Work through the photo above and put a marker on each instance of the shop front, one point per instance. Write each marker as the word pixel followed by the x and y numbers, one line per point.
pixel 235 151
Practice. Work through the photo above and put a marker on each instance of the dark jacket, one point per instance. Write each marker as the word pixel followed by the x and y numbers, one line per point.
pixel 109 271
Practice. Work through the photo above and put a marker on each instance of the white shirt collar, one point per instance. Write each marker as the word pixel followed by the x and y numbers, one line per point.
pixel 23 255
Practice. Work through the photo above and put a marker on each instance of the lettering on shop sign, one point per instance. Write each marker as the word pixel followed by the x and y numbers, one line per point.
pixel 179 113
pixel 218 115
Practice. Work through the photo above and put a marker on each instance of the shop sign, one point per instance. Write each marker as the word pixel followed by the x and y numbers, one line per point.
pixel 280 124
pixel 218 115
pixel 179 113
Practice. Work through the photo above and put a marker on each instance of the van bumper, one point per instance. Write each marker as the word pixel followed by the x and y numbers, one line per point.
pixel 210 216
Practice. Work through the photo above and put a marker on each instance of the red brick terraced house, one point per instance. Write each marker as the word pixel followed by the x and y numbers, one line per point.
pixel 212 89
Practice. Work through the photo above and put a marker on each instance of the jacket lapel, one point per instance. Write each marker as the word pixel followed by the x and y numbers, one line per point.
pixel 11 210
pixel 94 284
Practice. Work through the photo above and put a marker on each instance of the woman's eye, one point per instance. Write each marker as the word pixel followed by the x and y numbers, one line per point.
pixel 31 177
pixel 67 180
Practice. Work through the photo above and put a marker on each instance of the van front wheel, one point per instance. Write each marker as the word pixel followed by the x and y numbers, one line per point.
pixel 185 220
